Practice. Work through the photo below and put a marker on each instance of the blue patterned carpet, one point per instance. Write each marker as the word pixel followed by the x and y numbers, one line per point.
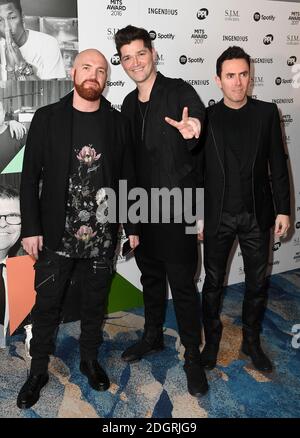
pixel 156 387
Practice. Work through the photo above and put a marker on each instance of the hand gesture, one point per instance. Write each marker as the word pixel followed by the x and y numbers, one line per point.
pixel 189 127
pixel 13 55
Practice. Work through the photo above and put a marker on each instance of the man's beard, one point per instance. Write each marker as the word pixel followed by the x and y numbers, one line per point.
pixel 88 93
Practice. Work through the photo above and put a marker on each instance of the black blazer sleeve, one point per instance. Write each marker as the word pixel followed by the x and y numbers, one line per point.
pixel 278 167
pixel 128 174
pixel 31 173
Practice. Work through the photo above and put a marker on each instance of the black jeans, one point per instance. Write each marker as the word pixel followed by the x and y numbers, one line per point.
pixel 254 245
pixel 52 274
pixel 185 296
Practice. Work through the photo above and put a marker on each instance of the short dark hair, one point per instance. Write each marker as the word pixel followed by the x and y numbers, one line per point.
pixel 233 52
pixel 8 192
pixel 16 3
pixel 132 33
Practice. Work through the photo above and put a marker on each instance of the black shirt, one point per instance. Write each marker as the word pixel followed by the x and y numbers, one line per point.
pixel 235 134
pixel 87 232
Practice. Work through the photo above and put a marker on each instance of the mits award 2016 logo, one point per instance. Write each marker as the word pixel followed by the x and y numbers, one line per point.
pixel 116 7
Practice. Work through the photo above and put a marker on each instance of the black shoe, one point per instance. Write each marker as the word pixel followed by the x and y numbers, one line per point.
pixel 96 375
pixel 195 374
pixel 260 361
pixel 209 356
pixel 142 348
pixel 30 391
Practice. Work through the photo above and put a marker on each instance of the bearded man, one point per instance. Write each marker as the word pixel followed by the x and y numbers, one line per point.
pixel 79 146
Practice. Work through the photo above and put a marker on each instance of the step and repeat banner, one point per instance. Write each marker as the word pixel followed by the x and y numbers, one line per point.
pixel 188 37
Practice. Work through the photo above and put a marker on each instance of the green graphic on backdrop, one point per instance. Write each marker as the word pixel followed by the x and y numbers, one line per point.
pixel 123 295
pixel 16 164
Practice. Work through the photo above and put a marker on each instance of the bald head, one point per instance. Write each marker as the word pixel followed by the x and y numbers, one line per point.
pixel 89 74
pixel 88 55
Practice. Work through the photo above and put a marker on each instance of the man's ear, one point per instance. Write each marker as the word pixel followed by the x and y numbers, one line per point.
pixel 218 82
pixel 72 72
pixel 154 55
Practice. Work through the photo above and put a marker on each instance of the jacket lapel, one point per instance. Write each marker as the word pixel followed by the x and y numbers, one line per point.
pixel 107 131
pixel 154 119
pixel 62 125
pixel 254 129
pixel 216 131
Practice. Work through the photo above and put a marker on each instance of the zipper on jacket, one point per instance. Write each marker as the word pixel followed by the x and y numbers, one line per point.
pixel 47 279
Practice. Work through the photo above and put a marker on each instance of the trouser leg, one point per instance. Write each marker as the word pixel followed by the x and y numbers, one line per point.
pixel 154 283
pixel 254 245
pixel 52 273
pixel 186 300
pixel 216 253
pixel 97 275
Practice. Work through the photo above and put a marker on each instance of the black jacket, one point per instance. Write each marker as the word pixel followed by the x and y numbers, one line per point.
pixel 47 155
pixel 267 152
pixel 173 162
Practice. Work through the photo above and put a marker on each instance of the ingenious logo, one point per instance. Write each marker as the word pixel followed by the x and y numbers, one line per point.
pixel 161 11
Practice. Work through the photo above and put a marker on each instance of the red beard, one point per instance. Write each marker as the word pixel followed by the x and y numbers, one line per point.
pixel 90 93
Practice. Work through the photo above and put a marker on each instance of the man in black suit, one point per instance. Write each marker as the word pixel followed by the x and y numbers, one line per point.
pixel 79 146
pixel 164 153
pixel 243 142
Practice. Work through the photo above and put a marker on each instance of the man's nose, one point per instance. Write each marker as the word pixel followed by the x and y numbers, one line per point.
pixel 91 74
pixel 238 80
pixel 3 222
pixel 135 60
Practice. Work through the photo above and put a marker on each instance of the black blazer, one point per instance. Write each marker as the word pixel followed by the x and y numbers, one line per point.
pixel 267 152
pixel 173 163
pixel 47 154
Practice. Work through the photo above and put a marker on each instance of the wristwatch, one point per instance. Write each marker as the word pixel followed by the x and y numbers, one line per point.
pixel 21 71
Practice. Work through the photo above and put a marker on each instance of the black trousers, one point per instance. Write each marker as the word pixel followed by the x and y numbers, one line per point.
pixel 254 245
pixel 52 274
pixel 184 292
